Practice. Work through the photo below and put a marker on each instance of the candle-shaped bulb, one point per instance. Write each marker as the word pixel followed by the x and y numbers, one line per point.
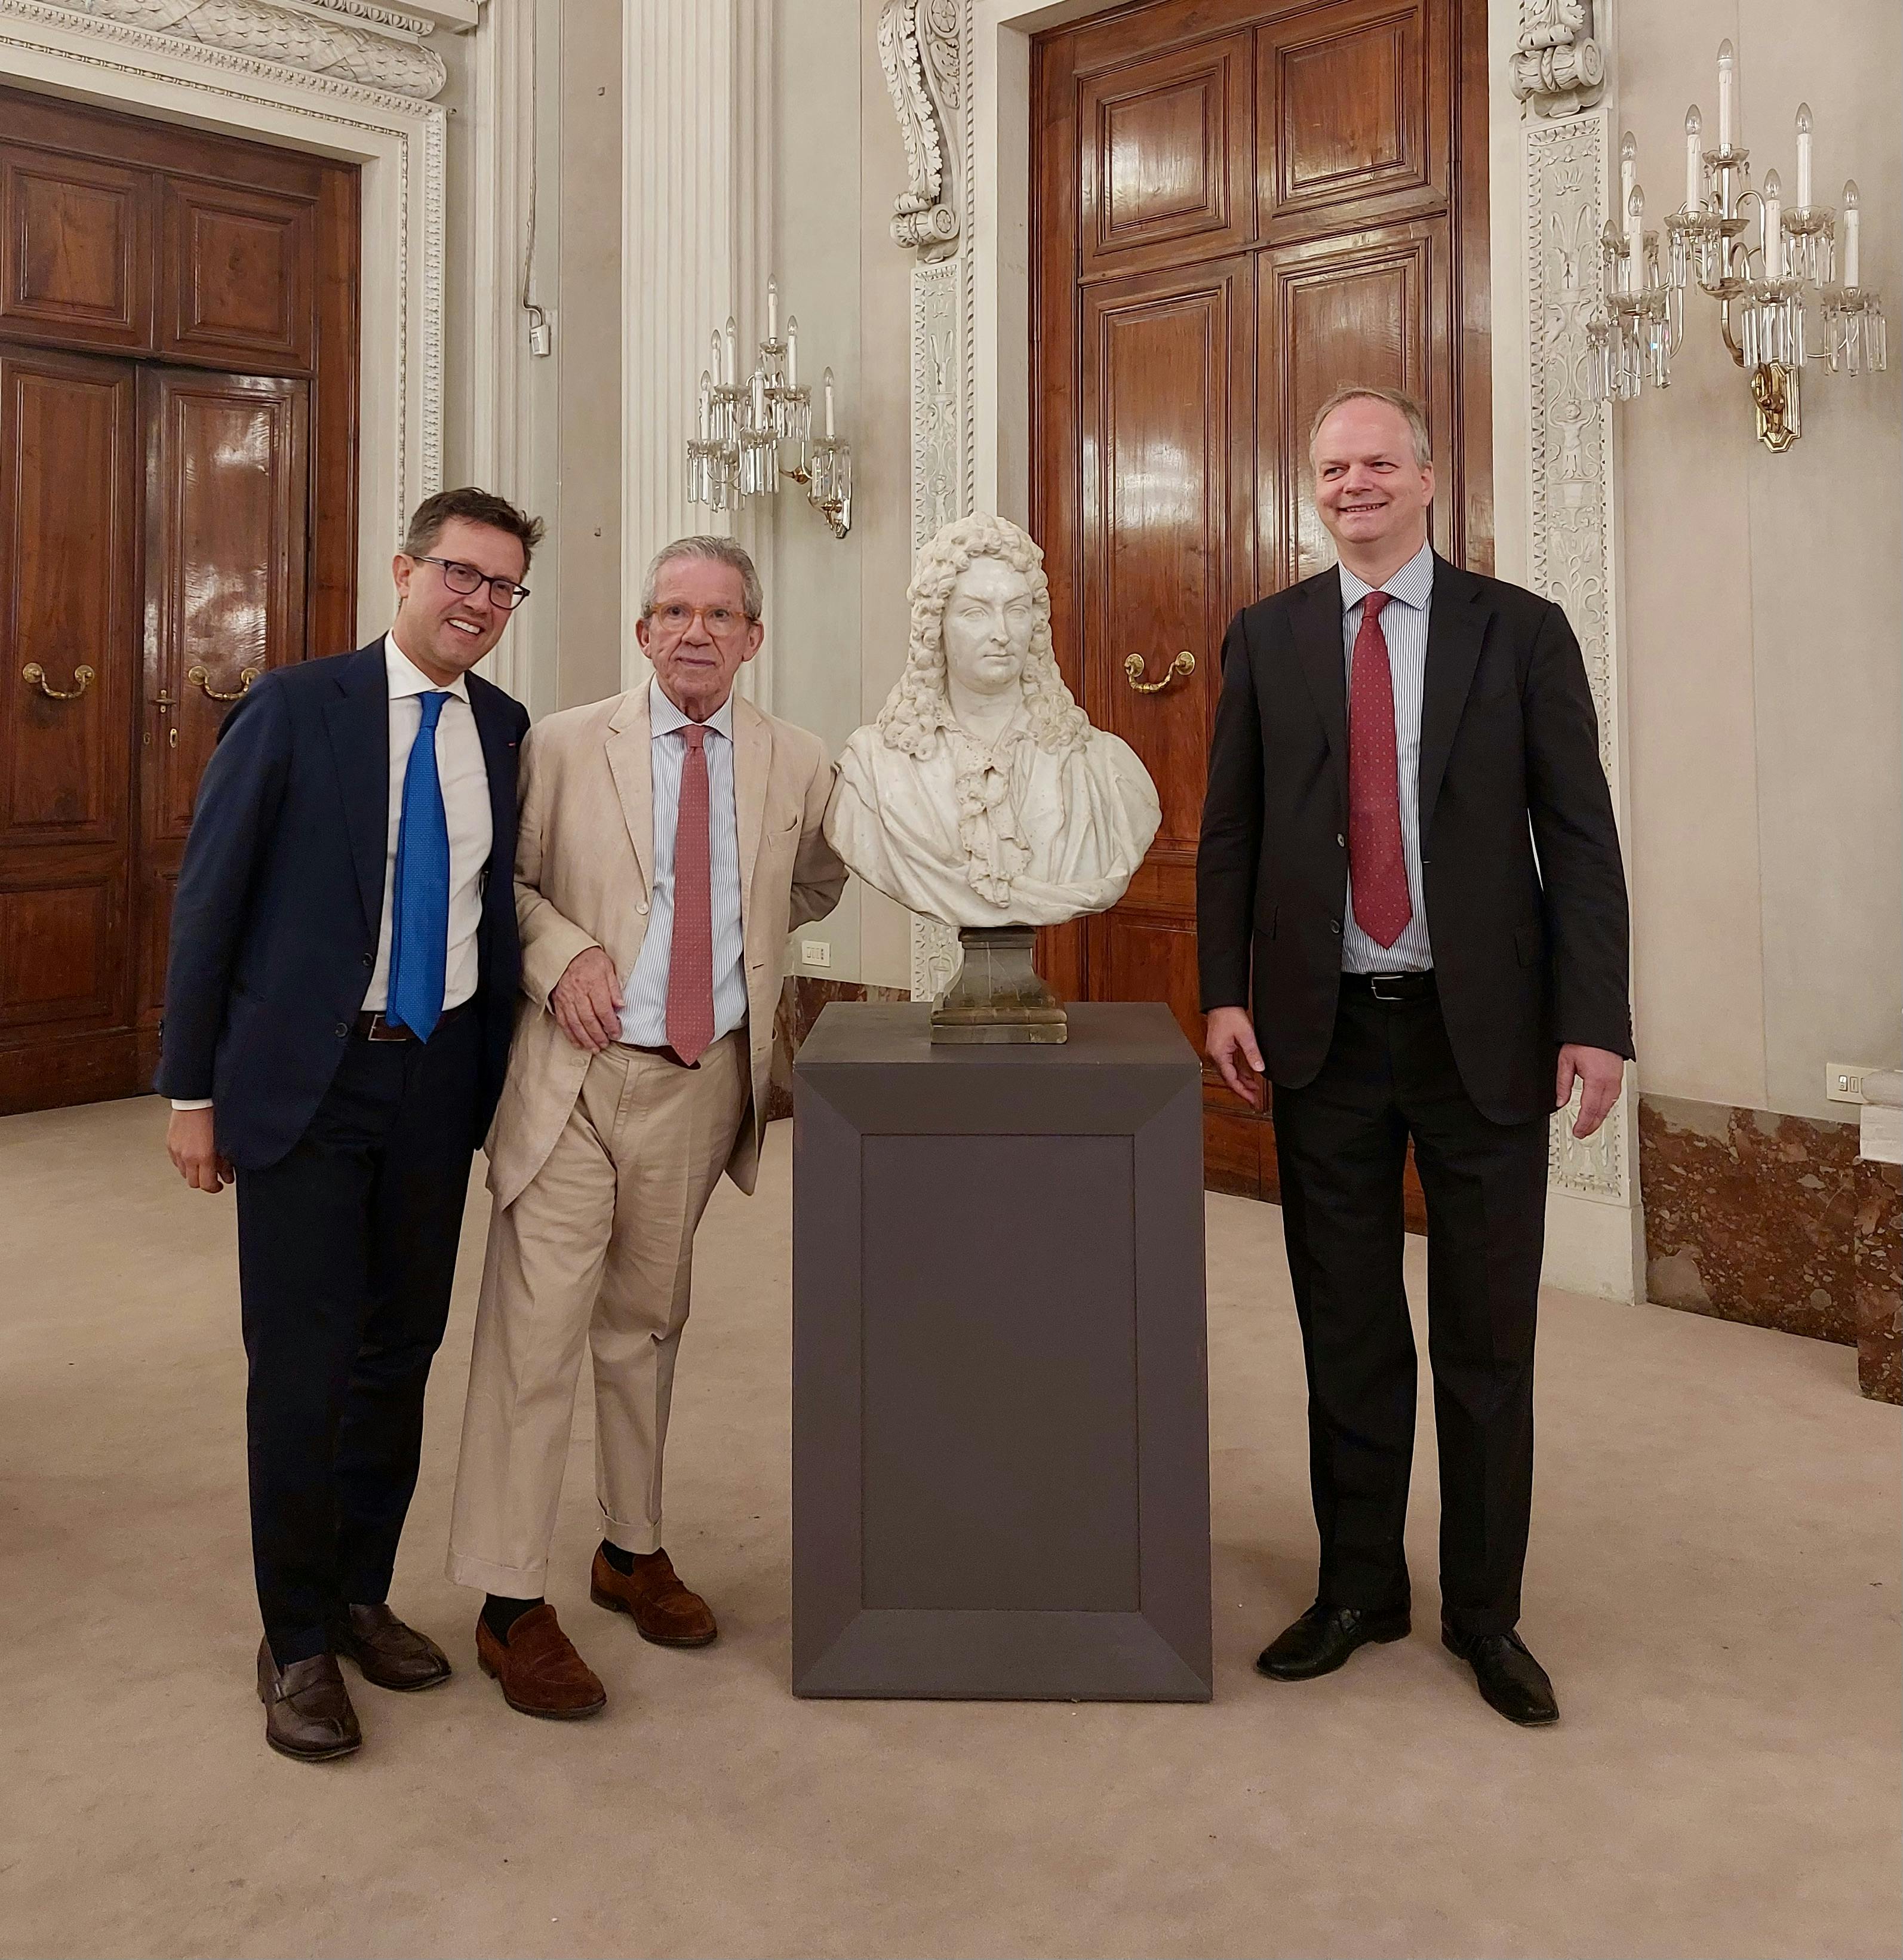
pixel 1727 76
pixel 1773 186
pixel 706 389
pixel 1774 227
pixel 825 384
pixel 729 367
pixel 1852 200
pixel 1803 156
pixel 792 351
pixel 1693 161
pixel 773 309
pixel 1628 148
pixel 1853 224
pixel 1694 121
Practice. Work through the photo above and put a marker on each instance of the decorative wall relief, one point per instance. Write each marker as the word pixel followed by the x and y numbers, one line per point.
pixel 1558 66
pixel 1570 532
pixel 291 37
pixel 920 49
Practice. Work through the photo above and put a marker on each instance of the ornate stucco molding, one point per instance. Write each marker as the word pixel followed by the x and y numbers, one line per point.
pixel 1558 67
pixel 920 47
pixel 1571 529
pixel 256 30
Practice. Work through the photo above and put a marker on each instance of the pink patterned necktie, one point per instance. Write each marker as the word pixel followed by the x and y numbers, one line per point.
pixel 690 963
pixel 1377 867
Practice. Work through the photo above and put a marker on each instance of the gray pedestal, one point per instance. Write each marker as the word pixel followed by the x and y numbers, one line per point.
pixel 1000 1462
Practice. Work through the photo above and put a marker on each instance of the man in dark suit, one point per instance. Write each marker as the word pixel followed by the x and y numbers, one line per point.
pixel 1412 918
pixel 337 1009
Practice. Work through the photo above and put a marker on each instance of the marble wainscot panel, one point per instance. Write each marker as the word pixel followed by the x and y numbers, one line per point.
pixel 1880 1281
pixel 1751 1216
pixel 801 998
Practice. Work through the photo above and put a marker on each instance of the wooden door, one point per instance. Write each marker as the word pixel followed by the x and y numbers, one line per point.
pixel 1237 208
pixel 177 422
pixel 69 682
pixel 227 477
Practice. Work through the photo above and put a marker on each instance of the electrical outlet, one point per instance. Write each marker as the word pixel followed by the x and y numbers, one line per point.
pixel 815 953
pixel 1843 1080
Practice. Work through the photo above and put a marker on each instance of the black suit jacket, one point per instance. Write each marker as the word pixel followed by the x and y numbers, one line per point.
pixel 274 929
pixel 1520 857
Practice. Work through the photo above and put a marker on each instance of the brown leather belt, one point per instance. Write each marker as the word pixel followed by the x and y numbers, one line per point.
pixel 373 1027
pixel 1391 988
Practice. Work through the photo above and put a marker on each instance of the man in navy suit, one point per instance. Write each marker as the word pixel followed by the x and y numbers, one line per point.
pixel 338 1009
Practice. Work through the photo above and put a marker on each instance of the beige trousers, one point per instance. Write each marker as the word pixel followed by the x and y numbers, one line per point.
pixel 599 1248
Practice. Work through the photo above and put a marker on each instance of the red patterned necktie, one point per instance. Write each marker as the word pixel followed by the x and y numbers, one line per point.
pixel 1377 867
pixel 690 963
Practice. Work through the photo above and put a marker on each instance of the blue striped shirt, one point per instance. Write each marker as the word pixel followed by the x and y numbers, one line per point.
pixel 644 1014
pixel 1404 624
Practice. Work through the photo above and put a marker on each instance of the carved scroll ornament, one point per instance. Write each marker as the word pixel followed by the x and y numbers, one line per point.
pixel 1558 66
pixel 918 48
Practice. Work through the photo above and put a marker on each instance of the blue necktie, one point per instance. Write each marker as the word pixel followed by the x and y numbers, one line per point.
pixel 420 917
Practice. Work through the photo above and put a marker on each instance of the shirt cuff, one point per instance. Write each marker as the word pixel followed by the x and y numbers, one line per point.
pixel 191 1102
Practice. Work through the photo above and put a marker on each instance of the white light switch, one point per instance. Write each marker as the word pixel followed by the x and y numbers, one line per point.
pixel 1843 1080
pixel 815 953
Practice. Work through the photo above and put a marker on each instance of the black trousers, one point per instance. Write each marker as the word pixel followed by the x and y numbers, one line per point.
pixel 1340 1143
pixel 346 1254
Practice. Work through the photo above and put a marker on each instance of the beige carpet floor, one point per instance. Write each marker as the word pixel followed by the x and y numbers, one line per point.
pixel 1713 1584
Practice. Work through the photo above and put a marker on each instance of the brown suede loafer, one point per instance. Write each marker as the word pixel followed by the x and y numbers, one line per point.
pixel 307 1713
pixel 662 1608
pixel 538 1669
pixel 388 1652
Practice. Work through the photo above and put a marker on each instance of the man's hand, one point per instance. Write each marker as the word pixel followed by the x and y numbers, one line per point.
pixel 1229 1040
pixel 1600 1071
pixel 587 1000
pixel 192 1147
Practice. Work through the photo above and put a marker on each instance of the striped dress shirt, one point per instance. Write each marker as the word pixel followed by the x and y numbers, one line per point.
pixel 1404 624
pixel 644 1014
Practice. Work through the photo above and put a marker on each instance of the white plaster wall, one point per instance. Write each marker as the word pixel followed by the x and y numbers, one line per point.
pixel 1763 596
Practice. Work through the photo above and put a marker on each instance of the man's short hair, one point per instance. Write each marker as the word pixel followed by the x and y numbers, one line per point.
pixel 1415 415
pixel 479 507
pixel 719 551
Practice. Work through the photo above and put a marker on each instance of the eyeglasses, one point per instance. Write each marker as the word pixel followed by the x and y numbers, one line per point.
pixel 674 619
pixel 465 580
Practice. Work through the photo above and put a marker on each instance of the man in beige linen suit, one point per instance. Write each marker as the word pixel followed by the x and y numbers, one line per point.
pixel 671 839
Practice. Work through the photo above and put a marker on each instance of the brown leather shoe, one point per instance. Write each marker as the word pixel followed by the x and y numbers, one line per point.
pixel 388 1652
pixel 307 1707
pixel 538 1669
pixel 662 1608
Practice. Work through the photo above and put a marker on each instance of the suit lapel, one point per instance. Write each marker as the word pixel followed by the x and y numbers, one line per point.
pixel 357 723
pixel 498 760
pixel 630 762
pixel 1456 630
pixel 752 760
pixel 1317 627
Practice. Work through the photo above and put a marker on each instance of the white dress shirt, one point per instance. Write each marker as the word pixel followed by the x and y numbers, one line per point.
pixel 1404 624
pixel 465 781
pixel 644 1014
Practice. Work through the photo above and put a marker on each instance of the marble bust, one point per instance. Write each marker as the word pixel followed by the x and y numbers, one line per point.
pixel 983 796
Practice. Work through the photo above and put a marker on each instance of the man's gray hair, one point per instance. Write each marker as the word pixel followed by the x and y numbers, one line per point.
pixel 1415 415
pixel 718 551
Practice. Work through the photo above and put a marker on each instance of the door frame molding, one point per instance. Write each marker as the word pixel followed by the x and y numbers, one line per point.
pixel 398 141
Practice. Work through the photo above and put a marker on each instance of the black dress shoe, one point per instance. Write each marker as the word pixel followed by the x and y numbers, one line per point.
pixel 1324 1638
pixel 307 1707
pixel 389 1653
pixel 1511 1679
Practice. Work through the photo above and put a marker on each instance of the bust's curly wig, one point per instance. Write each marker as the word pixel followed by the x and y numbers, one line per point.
pixel 920 706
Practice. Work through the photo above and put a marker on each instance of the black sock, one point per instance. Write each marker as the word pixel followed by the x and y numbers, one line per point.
pixel 622 1561
pixel 499 1613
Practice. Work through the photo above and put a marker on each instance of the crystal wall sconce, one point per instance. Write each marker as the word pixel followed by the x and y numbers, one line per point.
pixel 1767 292
pixel 743 426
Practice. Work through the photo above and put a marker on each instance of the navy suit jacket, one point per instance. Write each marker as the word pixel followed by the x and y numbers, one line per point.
pixel 280 895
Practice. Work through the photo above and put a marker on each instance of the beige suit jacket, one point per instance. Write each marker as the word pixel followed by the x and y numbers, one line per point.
pixel 584 858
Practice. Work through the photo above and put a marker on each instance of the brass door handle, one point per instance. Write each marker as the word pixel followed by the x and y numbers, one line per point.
pixel 34 675
pixel 247 676
pixel 1185 663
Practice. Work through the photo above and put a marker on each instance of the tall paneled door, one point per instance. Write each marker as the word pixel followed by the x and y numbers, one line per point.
pixel 1237 208
pixel 177 515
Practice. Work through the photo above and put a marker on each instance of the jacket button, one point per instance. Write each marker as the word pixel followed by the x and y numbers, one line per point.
pixel 343 1030
pixel 641 908
pixel 1335 927
pixel 1341 842
pixel 367 958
